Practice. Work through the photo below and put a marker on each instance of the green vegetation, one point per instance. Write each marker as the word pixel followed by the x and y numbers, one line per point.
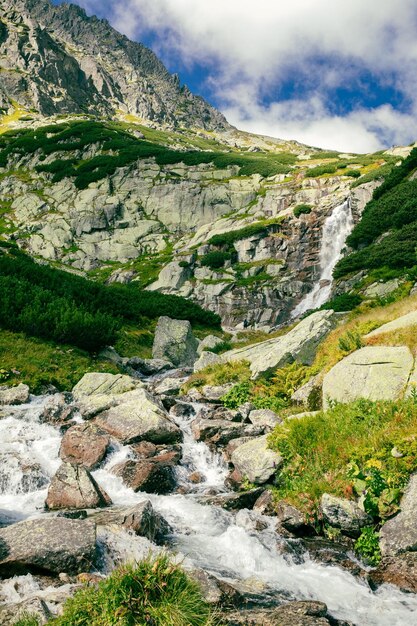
pixel 344 302
pixel 302 209
pixel 375 174
pixel 27 619
pixel 258 228
pixel 38 363
pixel 321 170
pixel 330 453
pixel 154 591
pixel 118 149
pixel 215 259
pixel 367 546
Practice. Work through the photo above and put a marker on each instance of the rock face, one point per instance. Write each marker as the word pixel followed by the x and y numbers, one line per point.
pixel 300 344
pixel 344 514
pixel 139 418
pixel 255 461
pixel 58 60
pixel 84 444
pixel 51 545
pixel 14 395
pixel 98 384
pixel 154 475
pixel 73 487
pixel 174 341
pixel 399 534
pixel 376 373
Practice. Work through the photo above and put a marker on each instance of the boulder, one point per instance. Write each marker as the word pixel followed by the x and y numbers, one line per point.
pixel 209 343
pixel 344 514
pixel 169 386
pixel 399 534
pixel 50 544
pixel 380 290
pixel 220 432
pixel 299 344
pixel 265 504
pixel 58 409
pixel 84 444
pixel 292 519
pixel 149 367
pixel 140 518
pixel 264 417
pixel 140 418
pixel 375 373
pixel 73 487
pixel 405 321
pixel 174 341
pixel 399 570
pixel 233 501
pixel 14 395
pixel 99 384
pixel 214 393
pixel 310 394
pixel 152 475
pixel 206 359
pixel 255 461
pixel 296 613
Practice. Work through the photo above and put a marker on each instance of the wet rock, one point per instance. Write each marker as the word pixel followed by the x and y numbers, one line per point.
pixel 140 418
pixel 233 501
pixel 208 586
pixel 182 409
pixel 299 344
pixel 220 432
pixel 375 373
pixel 14 395
pixel 11 612
pixel 302 613
pixel 255 461
pixel 252 521
pixel 174 341
pixel 84 444
pixel 73 487
pixel 344 514
pixel 196 478
pixel 264 417
pixel 58 409
pixel 332 552
pixel 292 520
pixel 399 570
pixel 149 367
pixel 153 475
pixel 48 545
pixel 265 504
pixel 141 518
pixel 399 534
pixel 20 475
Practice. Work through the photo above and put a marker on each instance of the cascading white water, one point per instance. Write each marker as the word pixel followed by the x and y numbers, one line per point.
pixel 336 229
pixel 208 536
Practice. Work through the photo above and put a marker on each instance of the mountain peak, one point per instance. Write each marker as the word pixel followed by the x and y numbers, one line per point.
pixel 58 60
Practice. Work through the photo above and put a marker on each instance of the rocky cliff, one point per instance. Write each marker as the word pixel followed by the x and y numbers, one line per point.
pixel 56 59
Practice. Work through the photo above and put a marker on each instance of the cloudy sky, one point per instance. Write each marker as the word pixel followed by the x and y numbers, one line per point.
pixel 330 73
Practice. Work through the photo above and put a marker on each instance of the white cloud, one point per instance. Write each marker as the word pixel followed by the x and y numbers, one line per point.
pixel 251 46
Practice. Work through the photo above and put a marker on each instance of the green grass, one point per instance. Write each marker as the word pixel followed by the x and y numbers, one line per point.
pixel 320 451
pixel 37 362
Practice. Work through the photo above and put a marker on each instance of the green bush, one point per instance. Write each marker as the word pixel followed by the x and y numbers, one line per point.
pixel 344 302
pixel 302 209
pixel 154 591
pixel 352 173
pixel 228 239
pixel 367 546
pixel 320 170
pixel 238 395
pixel 216 259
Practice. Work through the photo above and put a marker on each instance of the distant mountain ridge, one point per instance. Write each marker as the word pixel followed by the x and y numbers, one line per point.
pixel 57 60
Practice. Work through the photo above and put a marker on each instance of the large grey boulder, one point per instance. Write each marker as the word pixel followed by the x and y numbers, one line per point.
pixel 344 514
pixel 255 461
pixel 140 418
pixel 174 341
pixel 52 545
pixel 102 384
pixel 73 487
pixel 14 395
pixel 300 344
pixel 375 373
pixel 399 534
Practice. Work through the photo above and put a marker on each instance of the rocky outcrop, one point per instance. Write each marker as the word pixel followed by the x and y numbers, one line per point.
pixel 219 432
pixel 299 344
pixel 255 461
pixel 405 321
pixel 302 613
pixel 73 487
pixel 399 534
pixel 152 475
pixel 139 418
pixel 375 373
pixel 344 514
pixel 101 384
pixel 84 444
pixel 174 341
pixel 141 518
pixel 14 395
pixel 264 417
pixel 51 545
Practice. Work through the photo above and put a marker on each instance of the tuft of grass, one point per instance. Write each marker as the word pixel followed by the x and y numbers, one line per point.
pixel 154 591
pixel 219 374
pixel 319 450
pixel 27 619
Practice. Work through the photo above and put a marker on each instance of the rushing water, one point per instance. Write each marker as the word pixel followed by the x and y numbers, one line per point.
pixel 206 536
pixel 336 229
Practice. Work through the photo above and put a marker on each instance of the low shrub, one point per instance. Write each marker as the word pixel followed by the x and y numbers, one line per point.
pixel 215 259
pixel 367 546
pixel 344 302
pixel 302 209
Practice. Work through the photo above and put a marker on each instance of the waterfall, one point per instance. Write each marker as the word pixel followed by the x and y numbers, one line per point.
pixel 205 536
pixel 336 229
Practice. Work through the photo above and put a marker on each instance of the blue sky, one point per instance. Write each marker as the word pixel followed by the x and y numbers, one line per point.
pixel 328 73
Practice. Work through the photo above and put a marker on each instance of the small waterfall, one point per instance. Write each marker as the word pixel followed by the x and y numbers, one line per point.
pixel 336 229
